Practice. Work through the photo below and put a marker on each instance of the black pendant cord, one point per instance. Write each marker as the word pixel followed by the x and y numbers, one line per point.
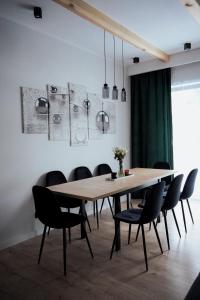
pixel 123 61
pixel 105 53
pixel 114 57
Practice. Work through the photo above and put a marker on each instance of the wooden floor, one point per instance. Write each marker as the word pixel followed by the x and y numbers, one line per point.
pixel 169 277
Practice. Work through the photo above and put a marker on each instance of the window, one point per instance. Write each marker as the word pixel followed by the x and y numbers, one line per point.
pixel 186 129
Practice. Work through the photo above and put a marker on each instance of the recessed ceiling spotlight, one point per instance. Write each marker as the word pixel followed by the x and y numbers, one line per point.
pixel 37 12
pixel 188 4
pixel 187 46
pixel 136 60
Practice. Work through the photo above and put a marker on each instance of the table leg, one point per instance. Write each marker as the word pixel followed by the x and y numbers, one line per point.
pixel 82 212
pixel 117 210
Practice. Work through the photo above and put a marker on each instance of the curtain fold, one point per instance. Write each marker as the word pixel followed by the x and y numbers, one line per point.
pixel 151 118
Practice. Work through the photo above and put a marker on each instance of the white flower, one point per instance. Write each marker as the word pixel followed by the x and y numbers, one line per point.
pixel 119 153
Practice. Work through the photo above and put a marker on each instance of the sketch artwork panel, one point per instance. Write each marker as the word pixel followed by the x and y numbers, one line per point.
pixel 94 107
pixel 78 115
pixel 58 113
pixel 34 110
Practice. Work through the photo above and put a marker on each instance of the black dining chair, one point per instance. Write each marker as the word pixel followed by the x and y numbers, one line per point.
pixel 187 192
pixel 83 172
pixel 170 201
pixel 143 216
pixel 103 169
pixel 57 177
pixel 50 214
pixel 158 165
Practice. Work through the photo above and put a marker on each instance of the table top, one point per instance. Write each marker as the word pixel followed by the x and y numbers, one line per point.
pixel 98 187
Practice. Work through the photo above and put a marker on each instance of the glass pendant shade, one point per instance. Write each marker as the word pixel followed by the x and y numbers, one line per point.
pixel 105 91
pixel 123 95
pixel 115 93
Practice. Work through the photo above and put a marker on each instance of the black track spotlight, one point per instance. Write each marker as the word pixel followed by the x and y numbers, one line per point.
pixel 187 46
pixel 136 60
pixel 37 12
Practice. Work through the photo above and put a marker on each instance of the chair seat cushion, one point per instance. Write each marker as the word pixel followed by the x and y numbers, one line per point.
pixel 129 216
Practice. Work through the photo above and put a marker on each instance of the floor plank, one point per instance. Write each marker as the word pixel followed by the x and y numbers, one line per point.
pixel 170 275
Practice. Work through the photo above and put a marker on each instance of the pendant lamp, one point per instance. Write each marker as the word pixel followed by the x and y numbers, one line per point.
pixel 123 92
pixel 105 88
pixel 115 90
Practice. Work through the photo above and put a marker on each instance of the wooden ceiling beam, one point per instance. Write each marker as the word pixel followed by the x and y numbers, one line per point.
pixel 98 18
pixel 193 7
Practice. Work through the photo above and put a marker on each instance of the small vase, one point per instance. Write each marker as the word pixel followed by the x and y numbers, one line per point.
pixel 121 170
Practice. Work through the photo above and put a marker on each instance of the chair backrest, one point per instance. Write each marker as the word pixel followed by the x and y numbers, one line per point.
pixel 46 206
pixel 82 173
pixel 173 193
pixel 188 188
pixel 153 203
pixel 55 177
pixel 162 165
pixel 166 166
pixel 103 169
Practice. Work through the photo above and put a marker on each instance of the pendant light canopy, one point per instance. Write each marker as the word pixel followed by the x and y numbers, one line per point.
pixel 123 92
pixel 105 88
pixel 115 90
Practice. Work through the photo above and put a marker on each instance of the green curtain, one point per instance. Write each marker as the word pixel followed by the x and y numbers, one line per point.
pixel 151 118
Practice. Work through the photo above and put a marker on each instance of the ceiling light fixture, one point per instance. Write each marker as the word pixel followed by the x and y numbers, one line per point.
pixel 37 12
pixel 187 46
pixel 115 90
pixel 105 89
pixel 123 92
pixel 136 60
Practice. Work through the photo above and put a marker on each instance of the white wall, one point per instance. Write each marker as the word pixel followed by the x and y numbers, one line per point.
pixel 30 59
pixel 189 73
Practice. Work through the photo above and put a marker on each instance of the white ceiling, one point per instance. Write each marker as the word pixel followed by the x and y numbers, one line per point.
pixel 164 23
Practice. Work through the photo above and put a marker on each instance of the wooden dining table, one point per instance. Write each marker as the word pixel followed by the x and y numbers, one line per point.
pixel 98 187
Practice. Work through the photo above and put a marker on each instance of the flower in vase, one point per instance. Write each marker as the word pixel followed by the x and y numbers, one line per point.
pixel 119 153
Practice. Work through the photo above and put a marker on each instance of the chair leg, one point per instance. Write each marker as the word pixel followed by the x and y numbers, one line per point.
pixel 190 211
pixel 166 229
pixel 183 215
pixel 102 205
pixel 110 206
pixel 69 233
pixel 149 226
pixel 115 238
pixel 97 214
pixel 176 222
pixel 88 242
pixel 88 222
pixel 64 249
pixel 42 243
pixel 144 247
pixel 94 209
pixel 138 230
pixel 158 238
pixel 127 200
pixel 49 230
pixel 69 229
pixel 129 233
